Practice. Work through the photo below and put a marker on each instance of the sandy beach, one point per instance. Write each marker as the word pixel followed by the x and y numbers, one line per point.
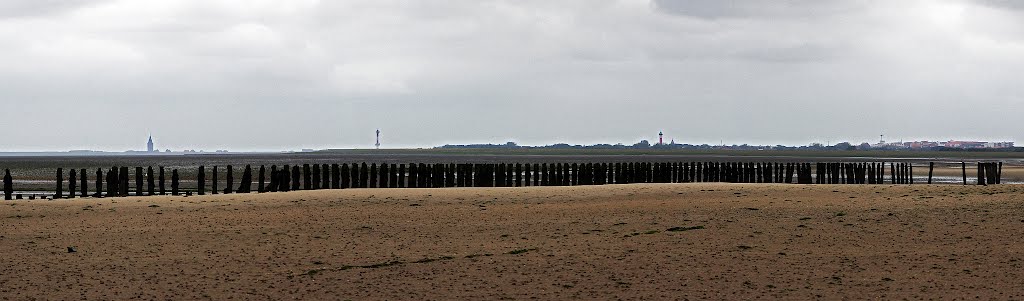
pixel 658 241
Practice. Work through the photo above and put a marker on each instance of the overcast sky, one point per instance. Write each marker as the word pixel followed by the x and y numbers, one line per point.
pixel 291 74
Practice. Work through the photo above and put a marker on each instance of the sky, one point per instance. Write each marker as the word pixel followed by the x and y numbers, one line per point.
pixel 263 75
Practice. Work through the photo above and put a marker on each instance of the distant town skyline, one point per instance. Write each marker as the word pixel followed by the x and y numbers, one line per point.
pixel 881 144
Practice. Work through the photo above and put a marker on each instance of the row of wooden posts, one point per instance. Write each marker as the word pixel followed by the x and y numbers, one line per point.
pixel 340 176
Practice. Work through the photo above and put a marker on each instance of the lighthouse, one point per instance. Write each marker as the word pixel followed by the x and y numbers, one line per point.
pixel 661 138
pixel 378 139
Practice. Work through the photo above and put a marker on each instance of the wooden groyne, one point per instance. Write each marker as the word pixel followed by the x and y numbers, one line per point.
pixel 115 182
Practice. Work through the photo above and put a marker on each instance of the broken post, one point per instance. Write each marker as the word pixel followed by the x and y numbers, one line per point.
pixel 246 185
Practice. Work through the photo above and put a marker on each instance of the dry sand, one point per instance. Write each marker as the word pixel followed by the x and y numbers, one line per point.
pixel 607 242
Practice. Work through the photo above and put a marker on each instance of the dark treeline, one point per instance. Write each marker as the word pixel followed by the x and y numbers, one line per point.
pixel 115 182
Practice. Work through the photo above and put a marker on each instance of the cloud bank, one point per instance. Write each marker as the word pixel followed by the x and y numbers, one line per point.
pixel 273 75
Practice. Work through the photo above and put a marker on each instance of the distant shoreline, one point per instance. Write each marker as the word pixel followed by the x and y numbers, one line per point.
pixel 515 152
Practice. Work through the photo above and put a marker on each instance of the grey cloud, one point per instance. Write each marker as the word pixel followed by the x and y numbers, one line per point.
pixel 1008 4
pixel 718 9
pixel 39 8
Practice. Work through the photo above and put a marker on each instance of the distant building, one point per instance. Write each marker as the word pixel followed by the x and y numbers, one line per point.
pixel 999 145
pixel 149 145
pixel 965 144
pixel 923 144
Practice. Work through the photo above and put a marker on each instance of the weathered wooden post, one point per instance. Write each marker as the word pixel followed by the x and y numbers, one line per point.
pixel 388 175
pixel 296 178
pixel 99 183
pixel 174 182
pixel 230 180
pixel 364 175
pixel 441 171
pixel 931 168
pixel 536 174
pixel 325 176
pixel 560 169
pixel 437 175
pixel 981 174
pixel 518 174
pixel 8 185
pixel 72 182
pixel 999 174
pixel 150 181
pixel 510 175
pixel 263 180
pixel 353 175
pixel 400 176
pixel 214 181
pixel 112 180
pixel 346 176
pixel 274 179
pixel 124 181
pixel 284 176
pixel 544 174
pixel 414 181
pixel 138 181
pixel 499 175
pixel 59 193
pixel 990 174
pixel 373 175
pixel 460 178
pixel 335 176
pixel 479 176
pixel 306 178
pixel 558 174
pixel 84 187
pixel 385 176
pixel 315 180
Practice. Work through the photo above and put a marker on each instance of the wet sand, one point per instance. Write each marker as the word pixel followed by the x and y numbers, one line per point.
pixel 664 241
